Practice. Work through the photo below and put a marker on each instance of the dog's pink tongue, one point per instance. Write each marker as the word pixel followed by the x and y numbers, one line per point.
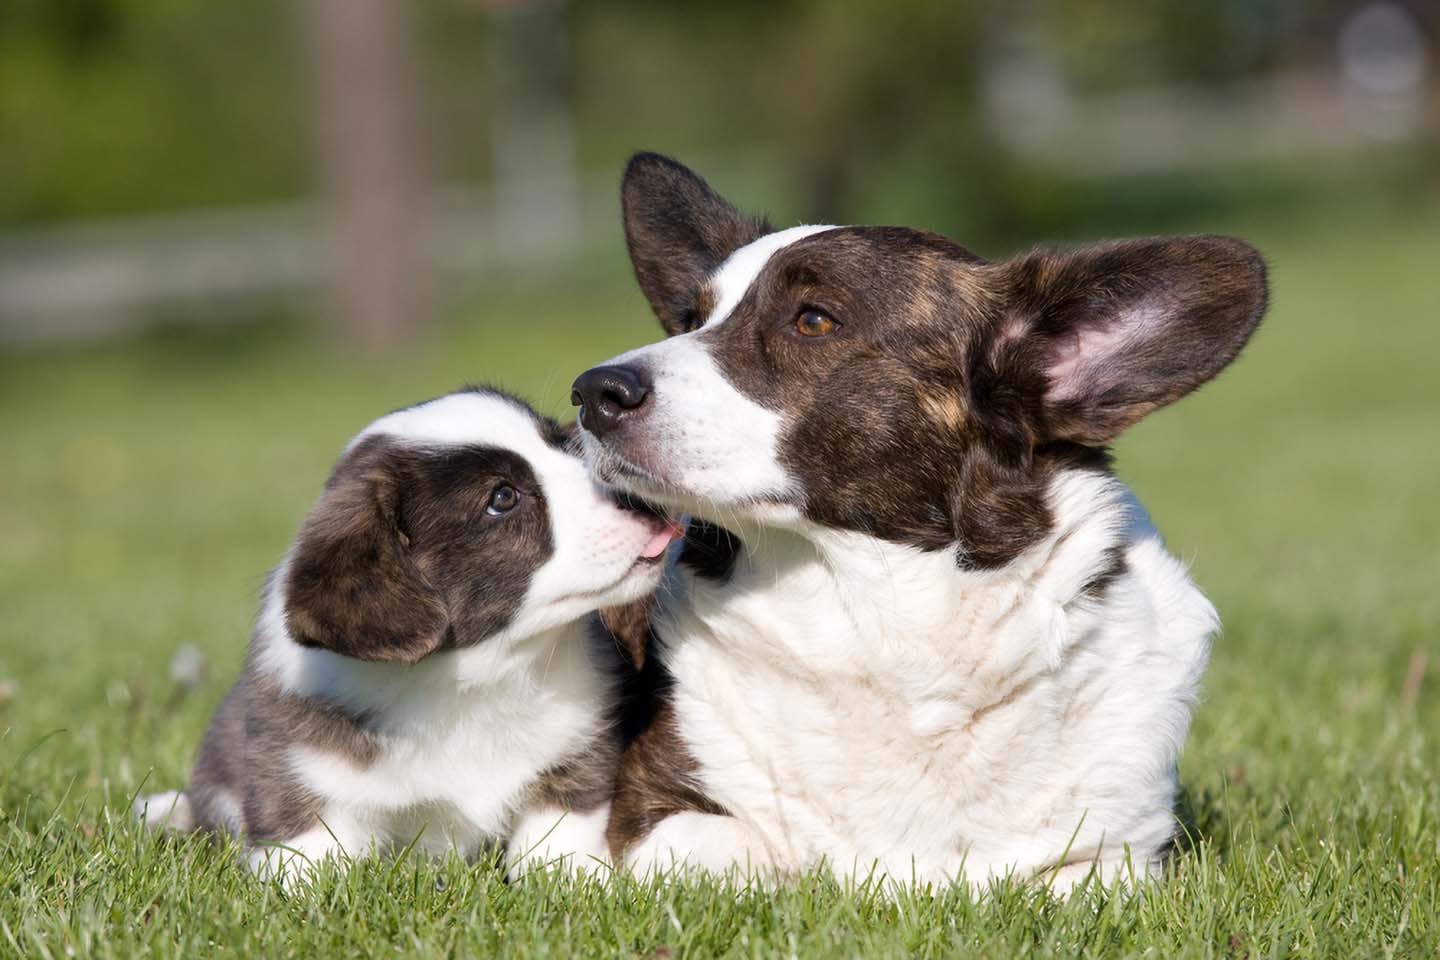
pixel 661 539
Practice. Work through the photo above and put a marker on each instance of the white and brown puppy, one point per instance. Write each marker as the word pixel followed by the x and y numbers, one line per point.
pixel 918 626
pixel 426 663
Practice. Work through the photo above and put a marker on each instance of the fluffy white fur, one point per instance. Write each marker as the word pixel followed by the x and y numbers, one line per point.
pixel 874 708
pixel 459 750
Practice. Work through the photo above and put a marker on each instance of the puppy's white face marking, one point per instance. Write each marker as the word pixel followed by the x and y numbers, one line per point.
pixel 596 543
pixel 708 443
pixel 596 559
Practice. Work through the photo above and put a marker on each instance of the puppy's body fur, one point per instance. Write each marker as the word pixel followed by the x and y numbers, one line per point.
pixel 342 756
pixel 476 709
pixel 920 629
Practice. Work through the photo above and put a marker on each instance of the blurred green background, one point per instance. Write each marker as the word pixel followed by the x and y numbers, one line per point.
pixel 233 233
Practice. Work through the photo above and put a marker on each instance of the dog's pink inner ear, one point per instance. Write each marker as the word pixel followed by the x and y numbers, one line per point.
pixel 1087 359
pixel 1067 366
pixel 1125 328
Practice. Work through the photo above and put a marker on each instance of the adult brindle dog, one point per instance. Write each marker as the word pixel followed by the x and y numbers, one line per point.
pixel 918 626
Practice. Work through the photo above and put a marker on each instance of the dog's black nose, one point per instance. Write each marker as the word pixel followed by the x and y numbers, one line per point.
pixel 605 395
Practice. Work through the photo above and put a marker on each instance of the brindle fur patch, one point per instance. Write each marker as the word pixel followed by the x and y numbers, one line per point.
pixel 657 775
pixel 244 760
pixel 398 559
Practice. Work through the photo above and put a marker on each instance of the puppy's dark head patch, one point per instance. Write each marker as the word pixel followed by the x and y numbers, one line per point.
pixel 414 549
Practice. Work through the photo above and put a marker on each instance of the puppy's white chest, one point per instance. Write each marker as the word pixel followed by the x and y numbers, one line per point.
pixel 455 782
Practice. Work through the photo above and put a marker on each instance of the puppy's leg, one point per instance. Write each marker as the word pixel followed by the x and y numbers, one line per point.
pixel 713 843
pixel 295 860
pixel 549 836
pixel 170 810
pixel 212 800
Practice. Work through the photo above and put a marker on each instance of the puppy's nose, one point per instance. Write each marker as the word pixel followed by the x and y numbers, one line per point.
pixel 606 395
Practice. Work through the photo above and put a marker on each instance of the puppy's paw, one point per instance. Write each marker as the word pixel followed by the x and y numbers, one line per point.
pixel 549 838
pixel 167 811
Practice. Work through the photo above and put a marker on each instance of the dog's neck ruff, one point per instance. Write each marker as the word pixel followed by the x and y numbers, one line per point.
pixel 819 595
pixel 864 703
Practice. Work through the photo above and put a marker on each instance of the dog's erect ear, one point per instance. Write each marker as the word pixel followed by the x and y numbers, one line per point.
pixel 678 231
pixel 1110 332
pixel 352 586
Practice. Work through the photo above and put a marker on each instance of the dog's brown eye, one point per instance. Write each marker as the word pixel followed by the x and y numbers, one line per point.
pixel 815 323
pixel 502 500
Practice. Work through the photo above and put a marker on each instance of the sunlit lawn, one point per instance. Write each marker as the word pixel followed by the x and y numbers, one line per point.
pixel 145 489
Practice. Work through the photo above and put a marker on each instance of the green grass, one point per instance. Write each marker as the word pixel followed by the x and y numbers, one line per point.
pixel 147 486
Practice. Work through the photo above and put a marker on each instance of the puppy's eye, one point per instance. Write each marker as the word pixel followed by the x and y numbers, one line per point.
pixel 503 499
pixel 815 323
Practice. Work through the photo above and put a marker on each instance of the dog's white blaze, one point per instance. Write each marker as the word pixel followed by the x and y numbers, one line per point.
pixel 457 419
pixel 707 436
pixel 740 269
pixel 871 705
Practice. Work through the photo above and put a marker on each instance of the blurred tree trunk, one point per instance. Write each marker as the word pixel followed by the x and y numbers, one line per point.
pixel 375 201
pixel 532 127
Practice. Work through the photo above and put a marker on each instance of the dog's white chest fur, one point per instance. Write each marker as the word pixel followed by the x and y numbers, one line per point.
pixel 873 706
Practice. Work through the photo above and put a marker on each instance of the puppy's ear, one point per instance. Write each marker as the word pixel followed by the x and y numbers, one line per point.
pixel 1106 334
pixel 352 585
pixel 678 231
